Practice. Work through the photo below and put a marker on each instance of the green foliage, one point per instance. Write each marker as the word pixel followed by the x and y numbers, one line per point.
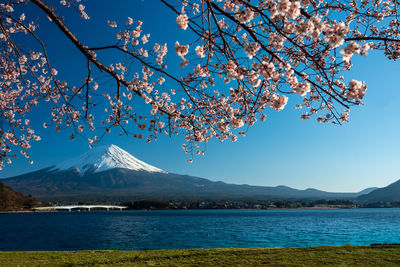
pixel 309 256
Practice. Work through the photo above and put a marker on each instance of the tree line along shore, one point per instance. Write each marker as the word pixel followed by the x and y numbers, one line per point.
pixel 13 201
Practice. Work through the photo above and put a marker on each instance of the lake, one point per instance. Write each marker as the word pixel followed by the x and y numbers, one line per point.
pixel 173 229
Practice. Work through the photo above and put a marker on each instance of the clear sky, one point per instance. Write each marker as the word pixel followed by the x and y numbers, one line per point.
pixel 282 151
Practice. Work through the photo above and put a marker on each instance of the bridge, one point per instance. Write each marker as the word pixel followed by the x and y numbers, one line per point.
pixel 87 207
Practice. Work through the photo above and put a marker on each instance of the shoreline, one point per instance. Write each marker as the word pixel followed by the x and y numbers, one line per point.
pixel 378 245
pixel 299 208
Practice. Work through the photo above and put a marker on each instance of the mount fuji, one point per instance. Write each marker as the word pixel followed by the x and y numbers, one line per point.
pixel 104 158
pixel 110 173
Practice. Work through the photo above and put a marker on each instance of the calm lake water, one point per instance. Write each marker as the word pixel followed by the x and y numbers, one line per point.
pixel 139 230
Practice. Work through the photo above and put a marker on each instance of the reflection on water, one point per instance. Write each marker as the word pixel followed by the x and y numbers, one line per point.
pixel 138 230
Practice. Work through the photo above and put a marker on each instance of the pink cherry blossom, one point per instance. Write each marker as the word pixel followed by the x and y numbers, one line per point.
pixel 247 56
pixel 182 21
pixel 181 50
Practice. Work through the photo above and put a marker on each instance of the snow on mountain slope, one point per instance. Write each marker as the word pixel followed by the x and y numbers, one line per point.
pixel 103 158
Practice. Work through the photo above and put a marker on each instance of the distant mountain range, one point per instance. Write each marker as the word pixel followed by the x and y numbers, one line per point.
pixel 111 173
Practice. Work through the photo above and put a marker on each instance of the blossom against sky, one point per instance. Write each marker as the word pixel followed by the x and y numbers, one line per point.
pixel 282 150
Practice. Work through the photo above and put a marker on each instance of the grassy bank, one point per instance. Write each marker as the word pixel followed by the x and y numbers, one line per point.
pixel 309 256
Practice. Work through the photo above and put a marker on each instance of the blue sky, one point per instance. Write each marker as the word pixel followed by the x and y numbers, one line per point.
pixel 282 151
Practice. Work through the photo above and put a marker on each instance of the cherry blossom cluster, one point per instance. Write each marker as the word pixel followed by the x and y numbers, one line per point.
pixel 24 78
pixel 290 47
pixel 241 60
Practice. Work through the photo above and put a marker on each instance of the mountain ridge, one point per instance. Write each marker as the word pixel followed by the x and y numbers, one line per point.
pixel 390 193
pixel 111 172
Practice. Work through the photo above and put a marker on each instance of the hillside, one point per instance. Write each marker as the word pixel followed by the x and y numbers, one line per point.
pixel 13 200
pixel 390 193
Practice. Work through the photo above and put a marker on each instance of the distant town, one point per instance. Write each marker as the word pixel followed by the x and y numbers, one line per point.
pixel 246 204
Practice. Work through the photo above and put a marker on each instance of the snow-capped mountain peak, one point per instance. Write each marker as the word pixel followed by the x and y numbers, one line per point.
pixel 103 158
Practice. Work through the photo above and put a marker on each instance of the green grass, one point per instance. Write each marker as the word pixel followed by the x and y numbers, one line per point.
pixel 308 256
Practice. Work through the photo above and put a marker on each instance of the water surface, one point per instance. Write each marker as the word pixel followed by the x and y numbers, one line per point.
pixel 139 230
